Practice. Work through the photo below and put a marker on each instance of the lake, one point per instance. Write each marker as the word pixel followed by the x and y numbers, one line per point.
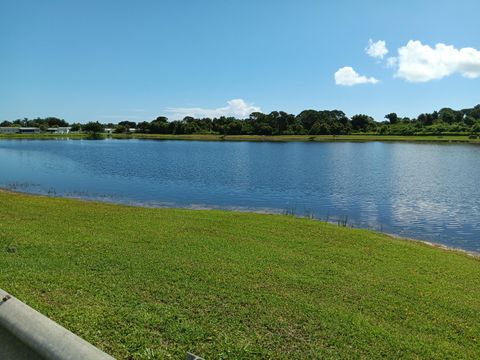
pixel 423 191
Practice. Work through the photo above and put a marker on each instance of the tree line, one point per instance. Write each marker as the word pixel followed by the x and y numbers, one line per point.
pixel 446 121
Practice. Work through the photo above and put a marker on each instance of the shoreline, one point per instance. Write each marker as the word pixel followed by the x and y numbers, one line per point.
pixel 446 139
pixel 474 254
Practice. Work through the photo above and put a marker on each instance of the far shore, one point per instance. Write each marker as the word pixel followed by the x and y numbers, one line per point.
pixel 464 139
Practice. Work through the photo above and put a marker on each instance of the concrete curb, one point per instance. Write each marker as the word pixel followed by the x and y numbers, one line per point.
pixel 27 334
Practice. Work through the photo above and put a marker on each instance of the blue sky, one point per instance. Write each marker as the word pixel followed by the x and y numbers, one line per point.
pixel 114 60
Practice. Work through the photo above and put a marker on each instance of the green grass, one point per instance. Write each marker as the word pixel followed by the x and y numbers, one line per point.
pixel 154 283
pixel 303 138
pixel 214 137
pixel 44 136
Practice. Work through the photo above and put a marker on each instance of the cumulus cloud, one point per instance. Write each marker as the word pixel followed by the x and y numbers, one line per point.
pixel 420 63
pixel 346 76
pixel 236 107
pixel 376 49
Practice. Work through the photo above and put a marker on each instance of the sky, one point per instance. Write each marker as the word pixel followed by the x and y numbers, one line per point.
pixel 116 60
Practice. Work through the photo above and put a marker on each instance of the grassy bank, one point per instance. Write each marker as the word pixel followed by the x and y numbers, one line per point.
pixel 155 283
pixel 303 138
pixel 44 136
pixel 284 138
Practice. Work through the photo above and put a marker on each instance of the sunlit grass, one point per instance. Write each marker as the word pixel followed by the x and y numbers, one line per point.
pixel 215 137
pixel 155 283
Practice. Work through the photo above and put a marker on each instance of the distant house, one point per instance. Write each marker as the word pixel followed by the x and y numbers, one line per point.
pixel 29 130
pixel 19 130
pixel 111 130
pixel 9 130
pixel 59 130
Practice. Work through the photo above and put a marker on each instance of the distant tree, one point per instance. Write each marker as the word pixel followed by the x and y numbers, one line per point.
pixel 319 128
pixel 264 129
pixel 475 128
pixel 54 122
pixel 315 122
pixel 295 129
pixel 280 121
pixel 428 119
pixel 76 127
pixel 261 123
pixel 234 128
pixel 449 116
pixel 475 112
pixel 307 118
pixel 160 126
pixel 93 127
pixel 469 120
pixel 246 128
pixel 121 129
pixel 392 118
pixel 362 122
pixel 128 124
pixel 143 127
pixel 438 128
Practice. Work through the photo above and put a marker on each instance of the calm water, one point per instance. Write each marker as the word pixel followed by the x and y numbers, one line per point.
pixel 423 191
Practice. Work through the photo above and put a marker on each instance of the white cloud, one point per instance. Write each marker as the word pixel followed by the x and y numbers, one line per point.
pixel 392 62
pixel 420 63
pixel 346 76
pixel 377 49
pixel 235 107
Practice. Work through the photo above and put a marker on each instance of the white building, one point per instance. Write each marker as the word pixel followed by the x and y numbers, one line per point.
pixel 9 130
pixel 59 130
pixel 29 130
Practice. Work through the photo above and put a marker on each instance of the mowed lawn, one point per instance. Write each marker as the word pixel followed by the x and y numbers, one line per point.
pixel 144 283
pixel 269 138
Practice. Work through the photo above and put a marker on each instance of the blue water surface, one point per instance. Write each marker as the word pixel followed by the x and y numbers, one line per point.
pixel 423 191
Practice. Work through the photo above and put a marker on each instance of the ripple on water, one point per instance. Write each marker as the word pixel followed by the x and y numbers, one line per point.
pixel 423 191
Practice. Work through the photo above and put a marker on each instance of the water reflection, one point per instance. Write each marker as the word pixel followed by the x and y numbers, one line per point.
pixel 424 191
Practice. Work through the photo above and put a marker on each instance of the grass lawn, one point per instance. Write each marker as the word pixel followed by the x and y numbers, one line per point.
pixel 213 137
pixel 146 283
pixel 314 138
